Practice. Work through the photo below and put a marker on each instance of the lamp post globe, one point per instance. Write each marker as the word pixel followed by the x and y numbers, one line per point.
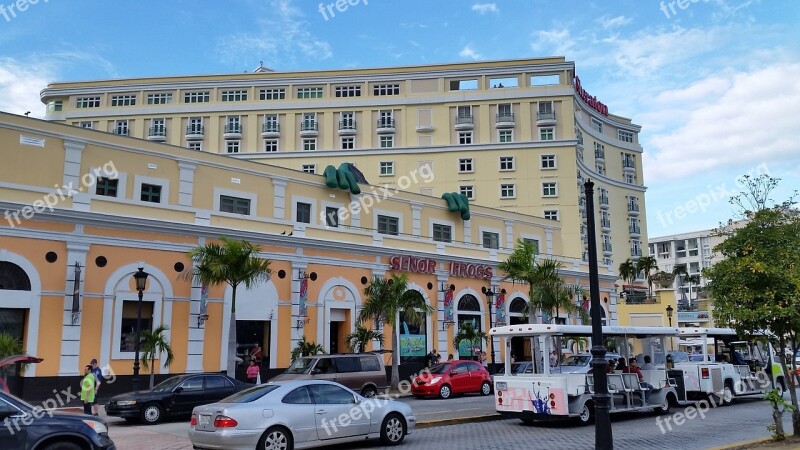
pixel 140 277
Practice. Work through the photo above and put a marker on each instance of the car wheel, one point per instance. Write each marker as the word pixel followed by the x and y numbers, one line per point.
pixel 369 392
pixel 486 388
pixel 587 414
pixel 276 438
pixel 393 429
pixel 727 393
pixel 780 386
pixel 663 408
pixel 444 391
pixel 62 446
pixel 151 414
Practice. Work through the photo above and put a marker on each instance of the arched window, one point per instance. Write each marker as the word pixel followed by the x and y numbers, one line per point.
pixel 468 303
pixel 13 277
pixel 517 305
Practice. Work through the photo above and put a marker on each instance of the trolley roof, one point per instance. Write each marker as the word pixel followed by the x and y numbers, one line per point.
pixel 710 332
pixel 537 329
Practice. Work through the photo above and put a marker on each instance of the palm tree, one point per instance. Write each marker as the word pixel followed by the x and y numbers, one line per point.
pixel 386 299
pixel 647 265
pixel 153 343
pixel 692 280
pixel 468 333
pixel 358 339
pixel 234 262
pixel 628 272
pixel 521 267
pixel 305 348
pixel 681 274
pixel 10 346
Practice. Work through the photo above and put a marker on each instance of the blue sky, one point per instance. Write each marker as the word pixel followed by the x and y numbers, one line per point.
pixel 715 84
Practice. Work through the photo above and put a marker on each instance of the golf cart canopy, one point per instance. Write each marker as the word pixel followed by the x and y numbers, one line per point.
pixel 578 330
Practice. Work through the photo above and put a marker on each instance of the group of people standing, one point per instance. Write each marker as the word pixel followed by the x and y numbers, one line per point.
pixel 90 384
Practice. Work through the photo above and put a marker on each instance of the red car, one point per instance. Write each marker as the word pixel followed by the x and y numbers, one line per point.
pixel 453 377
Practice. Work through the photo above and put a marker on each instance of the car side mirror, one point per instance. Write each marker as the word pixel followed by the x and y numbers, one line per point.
pixel 315 371
pixel 178 390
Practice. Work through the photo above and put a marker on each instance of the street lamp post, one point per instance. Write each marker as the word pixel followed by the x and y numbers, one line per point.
pixel 669 314
pixel 489 296
pixel 141 284
pixel 603 439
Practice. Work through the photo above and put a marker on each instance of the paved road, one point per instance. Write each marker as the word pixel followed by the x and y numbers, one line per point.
pixel 747 419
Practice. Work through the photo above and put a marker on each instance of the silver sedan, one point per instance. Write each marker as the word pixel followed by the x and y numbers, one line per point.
pixel 298 414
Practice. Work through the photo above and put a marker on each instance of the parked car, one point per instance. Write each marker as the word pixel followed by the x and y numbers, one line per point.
pixel 361 372
pixel 453 377
pixel 581 363
pixel 298 413
pixel 173 397
pixel 516 369
pixel 27 428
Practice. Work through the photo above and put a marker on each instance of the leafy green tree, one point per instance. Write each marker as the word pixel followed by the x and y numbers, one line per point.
pixel 646 265
pixel 628 272
pixel 468 333
pixel 385 300
pixel 359 339
pixel 234 262
pixel 306 348
pixel 756 286
pixel 153 343
pixel 10 346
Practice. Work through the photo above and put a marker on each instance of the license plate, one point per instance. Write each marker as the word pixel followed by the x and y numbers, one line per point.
pixel 500 386
pixel 204 419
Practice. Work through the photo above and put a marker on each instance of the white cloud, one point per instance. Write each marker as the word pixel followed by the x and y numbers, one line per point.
pixel 20 85
pixel 613 22
pixel 468 52
pixel 555 41
pixel 484 8
pixel 284 34
pixel 744 120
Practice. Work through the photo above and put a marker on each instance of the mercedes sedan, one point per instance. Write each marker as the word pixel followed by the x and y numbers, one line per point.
pixel 298 414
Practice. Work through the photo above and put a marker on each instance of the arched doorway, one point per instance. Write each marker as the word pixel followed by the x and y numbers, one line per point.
pixel 469 311
pixel 413 336
pixel 516 311
pixel 13 278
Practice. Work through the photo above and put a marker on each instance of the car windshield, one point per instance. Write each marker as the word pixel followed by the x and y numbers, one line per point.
pixel 574 361
pixel 168 384
pixel 440 368
pixel 251 394
pixel 301 365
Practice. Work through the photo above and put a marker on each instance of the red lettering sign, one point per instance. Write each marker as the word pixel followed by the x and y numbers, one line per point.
pixel 412 264
pixel 463 270
pixel 591 101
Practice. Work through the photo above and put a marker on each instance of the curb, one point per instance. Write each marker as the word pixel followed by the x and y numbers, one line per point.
pixel 746 444
pixel 458 420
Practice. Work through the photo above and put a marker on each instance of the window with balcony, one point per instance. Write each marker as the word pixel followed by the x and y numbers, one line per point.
pixel 464 137
pixel 468 191
pixel 636 247
pixel 270 145
pixel 550 189
pixel 508 190
pixel 691 244
pixel 87 102
pixel 628 161
pixel 606 243
pixel 442 233
pixel 505 135
pixel 506 163
pixel 232 146
pixel 162 98
pixel 197 97
pixel 388 225
pixel 545 111
pixel 386 168
pixel 633 226
pixel 603 196
pixel 106 187
pixel 309 144
pixel 386 89
pixel 664 249
pixel 599 151
pixel 547 162
pixel 272 94
pixel 386 118
pixel 234 205
pixel 551 214
pixel 348 142
pixel 600 168
pixel 625 136
pixel 309 168
pixel 123 100
pixel 347 91
pixel 633 204
pixel 464 115
pixel 605 222
pixel 309 92
pixel 233 124
pixel 387 141
pixel 237 95
pixel 195 125
pixel 121 127
pixel 547 134
pixel 505 112
pixel 465 165
pixel 491 240
pixel 630 178
pixel 347 120
pixel 157 128
pixel 271 124
pixel 303 214
pixel 150 193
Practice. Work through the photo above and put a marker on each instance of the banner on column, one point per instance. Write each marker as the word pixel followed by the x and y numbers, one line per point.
pixel 203 299
pixel 303 296
pixel 448 305
pixel 500 316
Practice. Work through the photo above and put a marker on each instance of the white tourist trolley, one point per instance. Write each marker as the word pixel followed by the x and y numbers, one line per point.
pixel 735 368
pixel 549 393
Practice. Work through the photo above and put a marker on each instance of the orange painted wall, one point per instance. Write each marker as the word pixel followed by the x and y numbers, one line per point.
pixel 50 318
pixel 91 321
pixel 285 324
pixel 179 336
pixel 213 338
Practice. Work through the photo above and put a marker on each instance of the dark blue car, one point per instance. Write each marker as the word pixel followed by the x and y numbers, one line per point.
pixel 24 427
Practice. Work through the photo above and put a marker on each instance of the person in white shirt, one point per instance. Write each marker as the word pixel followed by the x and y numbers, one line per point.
pixel 648 363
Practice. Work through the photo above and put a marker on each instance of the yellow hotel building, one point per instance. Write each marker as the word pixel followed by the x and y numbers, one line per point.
pixel 82 209
pixel 516 135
